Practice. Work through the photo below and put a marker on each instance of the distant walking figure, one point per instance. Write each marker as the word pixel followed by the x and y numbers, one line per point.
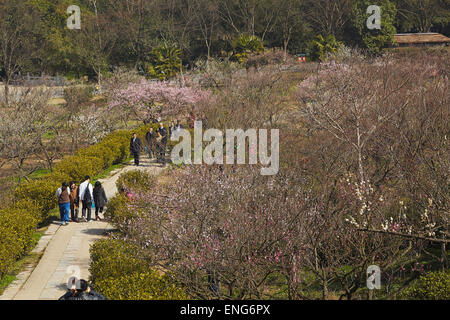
pixel 135 148
pixel 191 119
pixel 171 128
pixel 178 127
pixel 86 196
pixel 175 132
pixel 150 139
pixel 63 196
pixel 99 199
pixel 162 137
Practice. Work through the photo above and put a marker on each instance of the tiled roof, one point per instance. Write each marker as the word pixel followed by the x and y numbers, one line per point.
pixel 420 38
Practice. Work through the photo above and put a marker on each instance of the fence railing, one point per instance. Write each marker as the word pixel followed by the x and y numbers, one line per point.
pixel 38 81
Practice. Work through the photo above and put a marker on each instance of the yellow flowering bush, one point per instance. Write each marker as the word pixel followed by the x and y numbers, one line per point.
pixel 431 286
pixel 17 225
pixel 119 272
pixel 41 193
pixel 149 285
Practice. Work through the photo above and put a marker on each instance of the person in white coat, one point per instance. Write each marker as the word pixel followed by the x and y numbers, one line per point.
pixel 86 196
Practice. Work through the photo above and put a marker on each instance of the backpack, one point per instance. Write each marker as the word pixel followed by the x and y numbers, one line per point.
pixel 61 194
pixel 87 195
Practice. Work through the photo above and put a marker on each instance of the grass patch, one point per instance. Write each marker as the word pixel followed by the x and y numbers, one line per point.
pixel 48 135
pixel 39 173
pixel 108 171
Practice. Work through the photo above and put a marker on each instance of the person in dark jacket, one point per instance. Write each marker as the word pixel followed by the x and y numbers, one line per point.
pixel 99 199
pixel 150 138
pixel 162 135
pixel 83 292
pixel 135 148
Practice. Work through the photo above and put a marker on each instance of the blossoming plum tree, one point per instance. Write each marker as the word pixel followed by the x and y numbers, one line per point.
pixel 150 99
pixel 388 120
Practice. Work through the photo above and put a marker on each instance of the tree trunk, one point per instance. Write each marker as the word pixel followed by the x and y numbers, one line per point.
pixel 7 93
pixel 324 285
pixel 443 257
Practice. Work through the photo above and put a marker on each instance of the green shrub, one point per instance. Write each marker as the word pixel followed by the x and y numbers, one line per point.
pixel 91 161
pixel 321 46
pixel 41 193
pixel 119 272
pixel 17 226
pixel 119 144
pixel 118 211
pixel 244 45
pixel 378 39
pixel 77 167
pixel 149 285
pixel 431 286
pixel 136 179
pixel 164 62
pixel 113 257
pixel 100 151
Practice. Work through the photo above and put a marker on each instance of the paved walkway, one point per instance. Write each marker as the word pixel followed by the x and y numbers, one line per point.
pixel 66 251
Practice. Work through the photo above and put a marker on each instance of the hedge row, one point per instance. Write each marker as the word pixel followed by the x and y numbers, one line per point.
pixel 35 199
pixel 17 226
pixel 119 272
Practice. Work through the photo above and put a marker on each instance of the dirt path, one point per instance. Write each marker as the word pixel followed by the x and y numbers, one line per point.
pixel 66 251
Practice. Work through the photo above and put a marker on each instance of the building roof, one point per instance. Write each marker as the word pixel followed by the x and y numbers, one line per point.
pixel 420 38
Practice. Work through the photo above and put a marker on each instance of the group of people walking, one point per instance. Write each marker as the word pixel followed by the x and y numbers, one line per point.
pixel 155 142
pixel 70 196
